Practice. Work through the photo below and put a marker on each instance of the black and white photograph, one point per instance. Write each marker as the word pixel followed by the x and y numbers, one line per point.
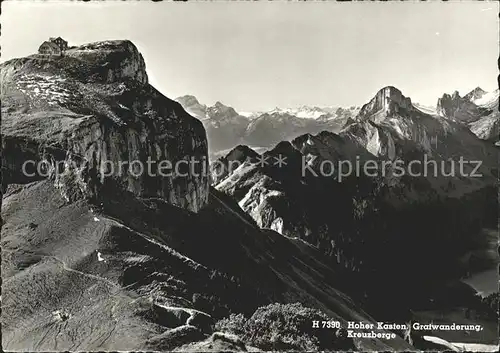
pixel 249 176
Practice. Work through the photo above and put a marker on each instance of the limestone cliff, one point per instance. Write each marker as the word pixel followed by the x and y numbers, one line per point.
pixel 91 118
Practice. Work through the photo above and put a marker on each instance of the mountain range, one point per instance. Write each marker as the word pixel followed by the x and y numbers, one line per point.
pixel 98 261
pixel 227 128
pixel 387 129
pixel 382 225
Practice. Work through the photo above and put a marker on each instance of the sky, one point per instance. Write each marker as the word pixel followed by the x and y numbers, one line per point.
pixel 260 55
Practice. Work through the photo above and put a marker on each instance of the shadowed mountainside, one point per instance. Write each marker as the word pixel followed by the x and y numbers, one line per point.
pixel 378 227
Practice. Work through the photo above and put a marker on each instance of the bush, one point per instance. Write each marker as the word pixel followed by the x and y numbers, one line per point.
pixel 235 324
pixel 284 326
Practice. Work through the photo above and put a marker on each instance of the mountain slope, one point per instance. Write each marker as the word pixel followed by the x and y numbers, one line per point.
pixel 82 113
pixel 111 275
pixel 93 260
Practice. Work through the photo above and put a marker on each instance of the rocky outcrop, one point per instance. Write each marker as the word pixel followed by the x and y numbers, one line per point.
pixel 90 118
pixel 220 111
pixel 193 106
pixel 476 93
pixel 412 134
pixel 226 165
pixel 458 108
pixel 111 61
pixel 487 128
pixel 388 101
pixel 224 126
pixel 478 109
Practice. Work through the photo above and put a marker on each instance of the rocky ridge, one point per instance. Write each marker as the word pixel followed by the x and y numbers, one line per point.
pixel 478 109
pixel 457 107
pixel 84 113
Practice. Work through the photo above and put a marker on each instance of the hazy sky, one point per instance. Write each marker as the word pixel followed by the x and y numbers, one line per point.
pixel 258 55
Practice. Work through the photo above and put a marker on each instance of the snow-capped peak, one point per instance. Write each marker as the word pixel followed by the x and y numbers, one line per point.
pixel 488 99
pixel 476 93
pixel 251 115
pixel 304 111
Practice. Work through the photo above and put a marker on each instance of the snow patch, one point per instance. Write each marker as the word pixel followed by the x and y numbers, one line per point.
pixel 47 88
pixel 250 115
pixel 99 257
